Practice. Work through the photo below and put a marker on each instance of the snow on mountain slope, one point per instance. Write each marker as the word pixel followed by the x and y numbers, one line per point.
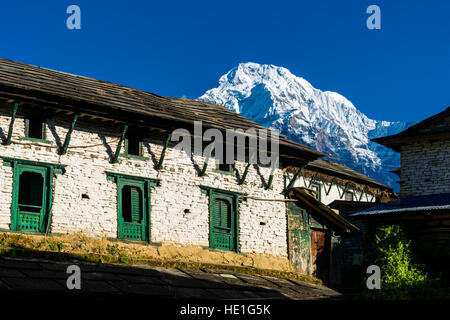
pixel 323 120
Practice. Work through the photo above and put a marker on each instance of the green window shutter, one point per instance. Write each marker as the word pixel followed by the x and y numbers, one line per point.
pixel 136 204
pixel 224 214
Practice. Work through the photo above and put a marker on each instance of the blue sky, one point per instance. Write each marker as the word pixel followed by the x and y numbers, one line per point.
pixel 181 48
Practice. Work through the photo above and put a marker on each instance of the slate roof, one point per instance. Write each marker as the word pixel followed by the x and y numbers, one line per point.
pixel 437 125
pixel 334 168
pixel 434 202
pixel 322 210
pixel 23 81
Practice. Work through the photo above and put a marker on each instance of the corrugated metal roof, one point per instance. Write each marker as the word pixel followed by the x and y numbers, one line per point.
pixel 410 204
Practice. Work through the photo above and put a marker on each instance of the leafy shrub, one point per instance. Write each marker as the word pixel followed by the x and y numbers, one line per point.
pixel 402 277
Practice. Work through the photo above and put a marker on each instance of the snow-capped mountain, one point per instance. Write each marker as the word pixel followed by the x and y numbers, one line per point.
pixel 323 120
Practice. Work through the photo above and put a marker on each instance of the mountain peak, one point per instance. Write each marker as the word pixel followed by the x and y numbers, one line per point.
pixel 323 120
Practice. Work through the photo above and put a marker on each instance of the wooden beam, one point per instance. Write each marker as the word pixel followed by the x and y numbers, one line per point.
pixel 329 189
pixel 205 165
pixel 119 145
pixel 313 179
pixel 345 190
pixel 163 153
pixel 362 193
pixel 69 135
pixel 269 184
pixel 292 182
pixel 11 124
pixel 244 175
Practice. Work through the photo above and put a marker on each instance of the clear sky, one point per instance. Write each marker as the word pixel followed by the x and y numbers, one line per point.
pixel 181 48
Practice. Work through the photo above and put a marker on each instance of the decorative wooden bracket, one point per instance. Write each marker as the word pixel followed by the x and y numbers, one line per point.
pixel 292 182
pixel 163 153
pixel 362 193
pixel 329 189
pixel 244 175
pixel 205 165
pixel 312 180
pixel 269 184
pixel 11 124
pixel 68 135
pixel 345 190
pixel 119 145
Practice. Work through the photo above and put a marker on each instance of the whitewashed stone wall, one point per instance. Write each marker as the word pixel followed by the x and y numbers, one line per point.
pixel 335 193
pixel 425 168
pixel 179 189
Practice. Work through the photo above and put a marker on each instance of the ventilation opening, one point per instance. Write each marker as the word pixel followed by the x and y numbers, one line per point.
pixel 133 144
pixel 35 128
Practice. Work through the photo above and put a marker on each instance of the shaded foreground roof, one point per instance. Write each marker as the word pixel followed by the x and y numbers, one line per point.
pixel 339 169
pixel 22 81
pixel 435 126
pixel 434 202
pixel 322 210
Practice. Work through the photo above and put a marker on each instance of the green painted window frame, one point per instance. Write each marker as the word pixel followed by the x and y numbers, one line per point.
pixel 233 198
pixel 125 153
pixel 43 130
pixel 47 170
pixel 228 172
pixel 145 184
pixel 319 190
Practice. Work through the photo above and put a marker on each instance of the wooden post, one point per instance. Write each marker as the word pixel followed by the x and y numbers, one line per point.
pixel 119 146
pixel 292 182
pixel 244 175
pixel 69 134
pixel 205 165
pixel 344 191
pixel 163 153
pixel 269 184
pixel 11 124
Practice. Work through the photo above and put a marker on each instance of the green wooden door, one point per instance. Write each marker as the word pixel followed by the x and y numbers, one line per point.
pixel 222 223
pixel 299 238
pixel 133 210
pixel 30 196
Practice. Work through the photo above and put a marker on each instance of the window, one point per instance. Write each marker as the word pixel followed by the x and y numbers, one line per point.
pixel 223 219
pixel 222 167
pixel 133 206
pixel 316 187
pixel 133 146
pixel 349 196
pixel 32 193
pixel 35 128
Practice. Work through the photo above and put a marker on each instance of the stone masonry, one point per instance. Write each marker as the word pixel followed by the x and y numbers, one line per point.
pixel 89 156
pixel 425 168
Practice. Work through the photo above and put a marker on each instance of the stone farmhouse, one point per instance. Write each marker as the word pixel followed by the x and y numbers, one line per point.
pixel 424 206
pixel 83 155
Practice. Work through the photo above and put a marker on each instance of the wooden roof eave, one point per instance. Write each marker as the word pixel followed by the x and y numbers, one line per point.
pixel 287 148
pixel 323 211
